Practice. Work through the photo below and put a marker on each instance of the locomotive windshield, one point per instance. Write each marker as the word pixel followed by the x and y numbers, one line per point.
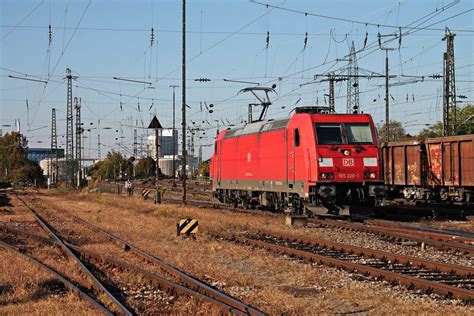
pixel 348 133
pixel 358 133
pixel 329 134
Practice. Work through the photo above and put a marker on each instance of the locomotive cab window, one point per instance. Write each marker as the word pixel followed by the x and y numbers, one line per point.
pixel 329 134
pixel 297 137
pixel 358 133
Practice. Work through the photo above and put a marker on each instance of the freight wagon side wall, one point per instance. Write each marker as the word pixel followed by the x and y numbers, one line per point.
pixel 403 163
pixel 451 161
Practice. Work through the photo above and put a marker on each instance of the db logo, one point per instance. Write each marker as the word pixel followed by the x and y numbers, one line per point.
pixel 348 162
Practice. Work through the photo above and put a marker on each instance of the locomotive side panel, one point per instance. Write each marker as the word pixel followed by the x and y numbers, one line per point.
pixel 254 162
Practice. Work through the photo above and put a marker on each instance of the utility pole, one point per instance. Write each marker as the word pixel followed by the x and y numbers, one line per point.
pixel 157 154
pixel 184 101
pixel 54 149
pixel 387 101
pixel 98 146
pixel 449 86
pixel 174 140
pixel 218 127
pixel 77 106
pixel 69 133
pixel 352 83
pixel 387 77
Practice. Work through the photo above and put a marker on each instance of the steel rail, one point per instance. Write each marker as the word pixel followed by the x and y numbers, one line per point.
pixel 432 235
pixel 68 251
pixel 445 245
pixel 164 283
pixel 394 277
pixel 441 266
pixel 188 280
pixel 63 280
pixel 438 232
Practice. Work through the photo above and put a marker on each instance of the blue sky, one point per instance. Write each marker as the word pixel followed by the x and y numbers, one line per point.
pixel 102 39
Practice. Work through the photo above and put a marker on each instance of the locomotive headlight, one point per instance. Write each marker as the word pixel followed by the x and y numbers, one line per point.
pixel 346 152
pixel 326 175
pixel 370 175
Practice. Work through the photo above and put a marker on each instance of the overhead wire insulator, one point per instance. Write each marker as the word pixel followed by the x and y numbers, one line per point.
pixel 366 39
pixel 400 37
pixel 267 40
pixel 202 79
pixel 305 40
pixel 152 37
pixel 50 35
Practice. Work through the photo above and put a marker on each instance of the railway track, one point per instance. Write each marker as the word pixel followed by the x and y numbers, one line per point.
pixel 449 243
pixel 94 303
pixel 433 238
pixel 98 266
pixel 429 276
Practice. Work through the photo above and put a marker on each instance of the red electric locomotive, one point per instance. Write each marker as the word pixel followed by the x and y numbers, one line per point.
pixel 313 163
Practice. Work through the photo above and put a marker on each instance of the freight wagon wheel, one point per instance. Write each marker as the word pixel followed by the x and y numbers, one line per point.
pixel 443 194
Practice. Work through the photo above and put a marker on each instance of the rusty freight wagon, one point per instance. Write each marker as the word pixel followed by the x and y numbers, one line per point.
pixel 451 167
pixel 440 169
pixel 405 168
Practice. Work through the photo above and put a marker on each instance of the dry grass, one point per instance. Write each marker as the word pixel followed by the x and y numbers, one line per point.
pixel 28 290
pixel 461 225
pixel 269 282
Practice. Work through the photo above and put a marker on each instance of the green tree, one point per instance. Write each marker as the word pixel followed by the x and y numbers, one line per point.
pixel 109 168
pixel 464 123
pixel 14 165
pixel 145 168
pixel 203 169
pixel 397 132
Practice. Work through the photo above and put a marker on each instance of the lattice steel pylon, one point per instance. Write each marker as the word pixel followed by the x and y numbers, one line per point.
pixel 449 86
pixel 78 171
pixel 352 83
pixel 69 133
pixel 135 144
pixel 53 163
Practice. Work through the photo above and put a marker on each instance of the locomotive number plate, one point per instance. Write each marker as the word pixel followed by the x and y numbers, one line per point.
pixel 348 162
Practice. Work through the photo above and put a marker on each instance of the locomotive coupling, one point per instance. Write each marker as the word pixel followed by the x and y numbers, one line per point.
pixel 376 190
pixel 327 190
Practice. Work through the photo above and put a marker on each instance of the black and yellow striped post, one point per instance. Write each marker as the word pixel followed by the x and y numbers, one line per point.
pixel 187 227
pixel 145 193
